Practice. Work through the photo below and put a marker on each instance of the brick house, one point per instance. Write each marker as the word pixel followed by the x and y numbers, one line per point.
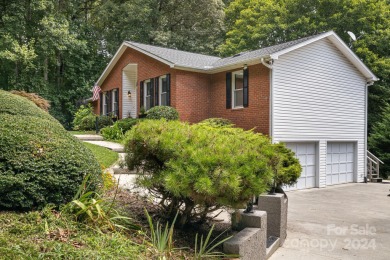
pixel 310 93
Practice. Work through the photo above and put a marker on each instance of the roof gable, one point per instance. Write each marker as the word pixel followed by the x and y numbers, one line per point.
pixel 211 64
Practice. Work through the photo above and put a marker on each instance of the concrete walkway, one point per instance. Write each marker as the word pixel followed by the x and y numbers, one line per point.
pixel 110 145
pixel 89 137
pixel 350 221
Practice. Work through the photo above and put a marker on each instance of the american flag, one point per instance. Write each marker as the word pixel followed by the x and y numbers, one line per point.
pixel 96 91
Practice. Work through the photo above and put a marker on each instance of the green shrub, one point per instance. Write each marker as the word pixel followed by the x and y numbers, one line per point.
pixel 79 121
pixel 199 166
pixel 112 133
pixel 126 124
pixel 40 162
pixel 159 112
pixel 104 121
pixel 18 105
pixel 87 123
pixel 117 131
pixel 217 122
pixel 287 168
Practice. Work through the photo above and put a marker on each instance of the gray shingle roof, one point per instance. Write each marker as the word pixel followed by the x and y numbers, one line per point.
pixel 205 62
pixel 177 57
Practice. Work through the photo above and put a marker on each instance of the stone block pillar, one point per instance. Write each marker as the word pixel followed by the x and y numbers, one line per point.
pixel 276 208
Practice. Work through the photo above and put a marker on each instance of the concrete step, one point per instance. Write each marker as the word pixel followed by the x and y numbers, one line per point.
pixel 376 180
pixel 89 137
pixel 110 145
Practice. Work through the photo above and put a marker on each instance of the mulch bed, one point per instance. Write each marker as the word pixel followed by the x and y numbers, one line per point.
pixel 133 205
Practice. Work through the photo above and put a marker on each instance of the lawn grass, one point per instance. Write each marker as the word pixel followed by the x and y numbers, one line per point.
pixel 104 156
pixel 82 132
pixel 49 235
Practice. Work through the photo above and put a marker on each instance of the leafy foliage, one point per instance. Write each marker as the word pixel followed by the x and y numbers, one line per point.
pixel 198 167
pixel 38 100
pixel 158 112
pixel 40 162
pixel 379 142
pixel 217 122
pixel 81 113
pixel 118 130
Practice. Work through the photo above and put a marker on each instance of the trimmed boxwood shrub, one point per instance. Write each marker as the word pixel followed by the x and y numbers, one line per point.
pixel 40 162
pixel 159 112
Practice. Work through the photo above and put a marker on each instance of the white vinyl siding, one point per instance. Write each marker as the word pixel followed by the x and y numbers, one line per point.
pixel 319 95
pixel 129 81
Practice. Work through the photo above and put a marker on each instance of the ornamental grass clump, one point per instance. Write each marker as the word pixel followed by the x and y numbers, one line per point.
pixel 198 169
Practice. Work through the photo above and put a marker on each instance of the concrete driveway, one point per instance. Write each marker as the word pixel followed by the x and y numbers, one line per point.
pixel 350 221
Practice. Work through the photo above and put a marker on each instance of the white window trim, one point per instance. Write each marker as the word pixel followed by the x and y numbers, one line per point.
pixel 234 88
pixel 160 89
pixel 145 92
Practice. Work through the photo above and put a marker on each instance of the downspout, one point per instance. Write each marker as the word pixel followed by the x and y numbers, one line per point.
pixel 270 67
pixel 368 83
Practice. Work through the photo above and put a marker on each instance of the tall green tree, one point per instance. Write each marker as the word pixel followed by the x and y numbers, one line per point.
pixel 193 25
pixel 253 24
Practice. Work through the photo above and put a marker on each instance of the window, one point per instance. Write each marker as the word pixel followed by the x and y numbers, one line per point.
pixel 148 94
pixel 238 89
pixel 115 105
pixel 105 103
pixel 163 90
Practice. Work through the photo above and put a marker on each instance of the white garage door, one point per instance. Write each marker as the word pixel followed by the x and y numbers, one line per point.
pixel 306 153
pixel 340 163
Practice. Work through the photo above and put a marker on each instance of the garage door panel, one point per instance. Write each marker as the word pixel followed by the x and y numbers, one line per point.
pixel 306 153
pixel 340 163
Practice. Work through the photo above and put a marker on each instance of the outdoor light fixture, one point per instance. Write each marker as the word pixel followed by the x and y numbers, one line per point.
pixel 129 94
pixel 245 66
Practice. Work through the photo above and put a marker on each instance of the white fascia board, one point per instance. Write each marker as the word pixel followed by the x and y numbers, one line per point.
pixel 117 56
pixel 336 40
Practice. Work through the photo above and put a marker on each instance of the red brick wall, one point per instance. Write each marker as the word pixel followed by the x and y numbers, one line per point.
pixel 256 115
pixel 147 68
pixel 192 93
pixel 198 96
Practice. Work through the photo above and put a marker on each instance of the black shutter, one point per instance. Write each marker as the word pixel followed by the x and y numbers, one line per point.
pixel 246 87
pixel 228 90
pixel 109 102
pixel 101 103
pixel 168 89
pixel 156 91
pixel 141 94
pixel 152 93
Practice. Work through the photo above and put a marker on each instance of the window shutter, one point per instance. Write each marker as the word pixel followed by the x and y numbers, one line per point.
pixel 156 91
pixel 101 103
pixel 246 87
pixel 168 89
pixel 116 109
pixel 141 94
pixel 152 93
pixel 228 90
pixel 109 101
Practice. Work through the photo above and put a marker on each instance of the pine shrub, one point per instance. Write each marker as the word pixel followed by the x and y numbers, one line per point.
pixel 198 166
